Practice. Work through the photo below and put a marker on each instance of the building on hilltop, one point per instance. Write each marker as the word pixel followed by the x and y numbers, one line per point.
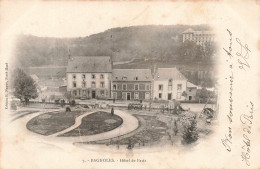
pixel 89 76
pixel 199 37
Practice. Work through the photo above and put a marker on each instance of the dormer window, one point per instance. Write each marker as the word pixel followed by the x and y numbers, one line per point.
pixel 124 78
pixel 136 78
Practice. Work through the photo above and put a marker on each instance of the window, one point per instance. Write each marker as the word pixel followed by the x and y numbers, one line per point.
pixel 74 84
pixel 179 95
pixel 170 84
pixel 170 87
pixel 102 92
pixel 160 87
pixel 74 76
pixel 160 95
pixel 136 78
pixel 114 87
pixel 136 86
pixel 101 76
pixel 83 84
pixel 179 87
pixel 75 92
pixel 136 95
pixel 147 87
pixel 102 84
pixel 169 96
pixel 83 76
pixel 93 84
pixel 124 86
pixel 189 90
pixel 147 95
pixel 93 76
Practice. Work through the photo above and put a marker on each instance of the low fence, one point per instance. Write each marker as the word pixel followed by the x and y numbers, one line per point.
pixel 160 108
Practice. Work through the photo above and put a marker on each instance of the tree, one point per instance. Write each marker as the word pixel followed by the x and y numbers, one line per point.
pixel 202 94
pixel 210 50
pixel 68 95
pixel 190 133
pixel 175 128
pixel 25 87
pixel 190 51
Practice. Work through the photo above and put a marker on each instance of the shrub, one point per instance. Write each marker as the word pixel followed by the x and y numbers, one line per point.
pixel 68 109
pixel 72 103
pixel 190 133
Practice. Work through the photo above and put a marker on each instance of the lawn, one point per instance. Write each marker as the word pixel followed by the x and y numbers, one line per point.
pixel 52 122
pixel 151 131
pixel 155 130
pixel 95 123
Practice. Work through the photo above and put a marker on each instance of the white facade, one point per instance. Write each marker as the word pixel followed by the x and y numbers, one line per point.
pixel 88 80
pixel 77 83
pixel 199 37
pixel 166 90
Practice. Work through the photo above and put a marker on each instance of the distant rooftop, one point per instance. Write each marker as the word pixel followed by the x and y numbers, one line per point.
pixel 188 30
pixel 90 64
pixel 167 73
pixel 132 74
pixel 191 85
pixel 197 32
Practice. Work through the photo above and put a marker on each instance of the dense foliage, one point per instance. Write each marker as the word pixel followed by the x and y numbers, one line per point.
pixel 190 134
pixel 160 42
pixel 25 87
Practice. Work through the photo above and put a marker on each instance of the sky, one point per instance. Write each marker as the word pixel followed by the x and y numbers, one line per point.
pixel 79 19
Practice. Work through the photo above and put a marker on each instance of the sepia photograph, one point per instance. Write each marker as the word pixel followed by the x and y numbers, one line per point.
pixel 130 85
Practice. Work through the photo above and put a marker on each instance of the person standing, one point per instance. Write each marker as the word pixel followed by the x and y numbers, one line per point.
pixel 112 111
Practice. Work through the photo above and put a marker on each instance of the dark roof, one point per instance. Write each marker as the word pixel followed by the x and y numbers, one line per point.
pixel 90 64
pixel 131 74
pixel 167 73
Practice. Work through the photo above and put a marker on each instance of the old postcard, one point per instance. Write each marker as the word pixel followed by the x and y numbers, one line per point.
pixel 133 84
